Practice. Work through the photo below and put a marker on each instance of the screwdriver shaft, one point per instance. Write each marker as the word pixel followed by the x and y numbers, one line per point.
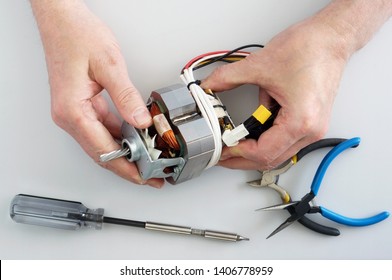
pixel 191 231
pixel 176 229
pixel 123 222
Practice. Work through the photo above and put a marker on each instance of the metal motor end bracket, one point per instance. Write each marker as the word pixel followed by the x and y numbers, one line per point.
pixel 191 131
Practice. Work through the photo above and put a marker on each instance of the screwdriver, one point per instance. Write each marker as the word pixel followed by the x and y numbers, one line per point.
pixel 73 215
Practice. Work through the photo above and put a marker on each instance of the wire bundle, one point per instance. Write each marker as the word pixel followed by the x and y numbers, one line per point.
pixel 203 100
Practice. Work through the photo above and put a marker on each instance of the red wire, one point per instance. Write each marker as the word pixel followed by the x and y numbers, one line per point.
pixel 207 54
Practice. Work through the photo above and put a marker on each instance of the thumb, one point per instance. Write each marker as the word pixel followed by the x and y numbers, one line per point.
pixel 230 76
pixel 127 99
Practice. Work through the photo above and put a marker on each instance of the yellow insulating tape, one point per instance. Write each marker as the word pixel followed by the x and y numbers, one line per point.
pixel 286 198
pixel 262 114
pixel 208 91
pixel 294 159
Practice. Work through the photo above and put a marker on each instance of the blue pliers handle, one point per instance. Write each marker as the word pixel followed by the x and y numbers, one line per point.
pixel 315 187
pixel 298 209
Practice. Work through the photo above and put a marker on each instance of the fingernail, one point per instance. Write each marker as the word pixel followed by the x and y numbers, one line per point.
pixel 142 116
pixel 155 184
pixel 224 157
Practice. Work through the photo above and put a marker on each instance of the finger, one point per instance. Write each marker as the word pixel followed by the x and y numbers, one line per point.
pixel 97 141
pixel 155 182
pixel 247 155
pixel 272 146
pixel 290 133
pixel 81 121
pixel 112 74
pixel 293 150
pixel 266 99
pixel 248 151
pixel 232 75
pixel 109 120
pixel 129 171
pixel 246 164
pixel 239 163
pixel 113 125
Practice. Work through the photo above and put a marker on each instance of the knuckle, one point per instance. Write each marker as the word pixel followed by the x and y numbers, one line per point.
pixel 59 114
pixel 126 97
pixel 263 158
pixel 253 59
pixel 218 74
pixel 106 57
pixel 110 54
pixel 265 161
pixel 312 127
pixel 66 116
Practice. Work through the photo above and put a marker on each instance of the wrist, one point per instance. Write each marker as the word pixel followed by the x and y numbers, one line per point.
pixel 55 16
pixel 351 24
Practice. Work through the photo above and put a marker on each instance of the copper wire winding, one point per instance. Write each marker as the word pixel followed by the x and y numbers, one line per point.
pixel 161 124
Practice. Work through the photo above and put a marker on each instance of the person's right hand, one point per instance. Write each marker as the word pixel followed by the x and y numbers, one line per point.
pixel 300 70
pixel 83 58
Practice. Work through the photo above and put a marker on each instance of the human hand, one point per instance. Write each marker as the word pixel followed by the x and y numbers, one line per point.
pixel 300 70
pixel 83 58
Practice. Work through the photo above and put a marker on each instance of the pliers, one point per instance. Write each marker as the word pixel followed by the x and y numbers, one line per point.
pixel 298 209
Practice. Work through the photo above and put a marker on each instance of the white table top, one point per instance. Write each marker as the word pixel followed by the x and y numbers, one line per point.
pixel 157 39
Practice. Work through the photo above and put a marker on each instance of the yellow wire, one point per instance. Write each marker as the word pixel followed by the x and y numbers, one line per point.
pixel 232 59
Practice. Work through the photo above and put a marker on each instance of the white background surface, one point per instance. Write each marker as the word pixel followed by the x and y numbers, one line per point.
pixel 157 39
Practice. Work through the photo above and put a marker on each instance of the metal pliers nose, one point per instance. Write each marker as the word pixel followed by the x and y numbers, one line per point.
pixel 299 209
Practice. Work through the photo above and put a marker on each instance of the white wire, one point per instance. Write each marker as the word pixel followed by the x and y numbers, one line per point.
pixel 197 62
pixel 204 103
pixel 210 116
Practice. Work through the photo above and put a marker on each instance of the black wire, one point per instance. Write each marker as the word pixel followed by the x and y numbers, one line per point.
pixel 219 58
pixel 222 57
pixel 225 59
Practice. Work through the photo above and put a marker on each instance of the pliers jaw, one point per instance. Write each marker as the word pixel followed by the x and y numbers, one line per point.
pixel 298 206
pixel 290 206
pixel 298 210
pixel 269 177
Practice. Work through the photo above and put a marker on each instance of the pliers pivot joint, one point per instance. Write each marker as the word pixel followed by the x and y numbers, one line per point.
pixel 298 209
